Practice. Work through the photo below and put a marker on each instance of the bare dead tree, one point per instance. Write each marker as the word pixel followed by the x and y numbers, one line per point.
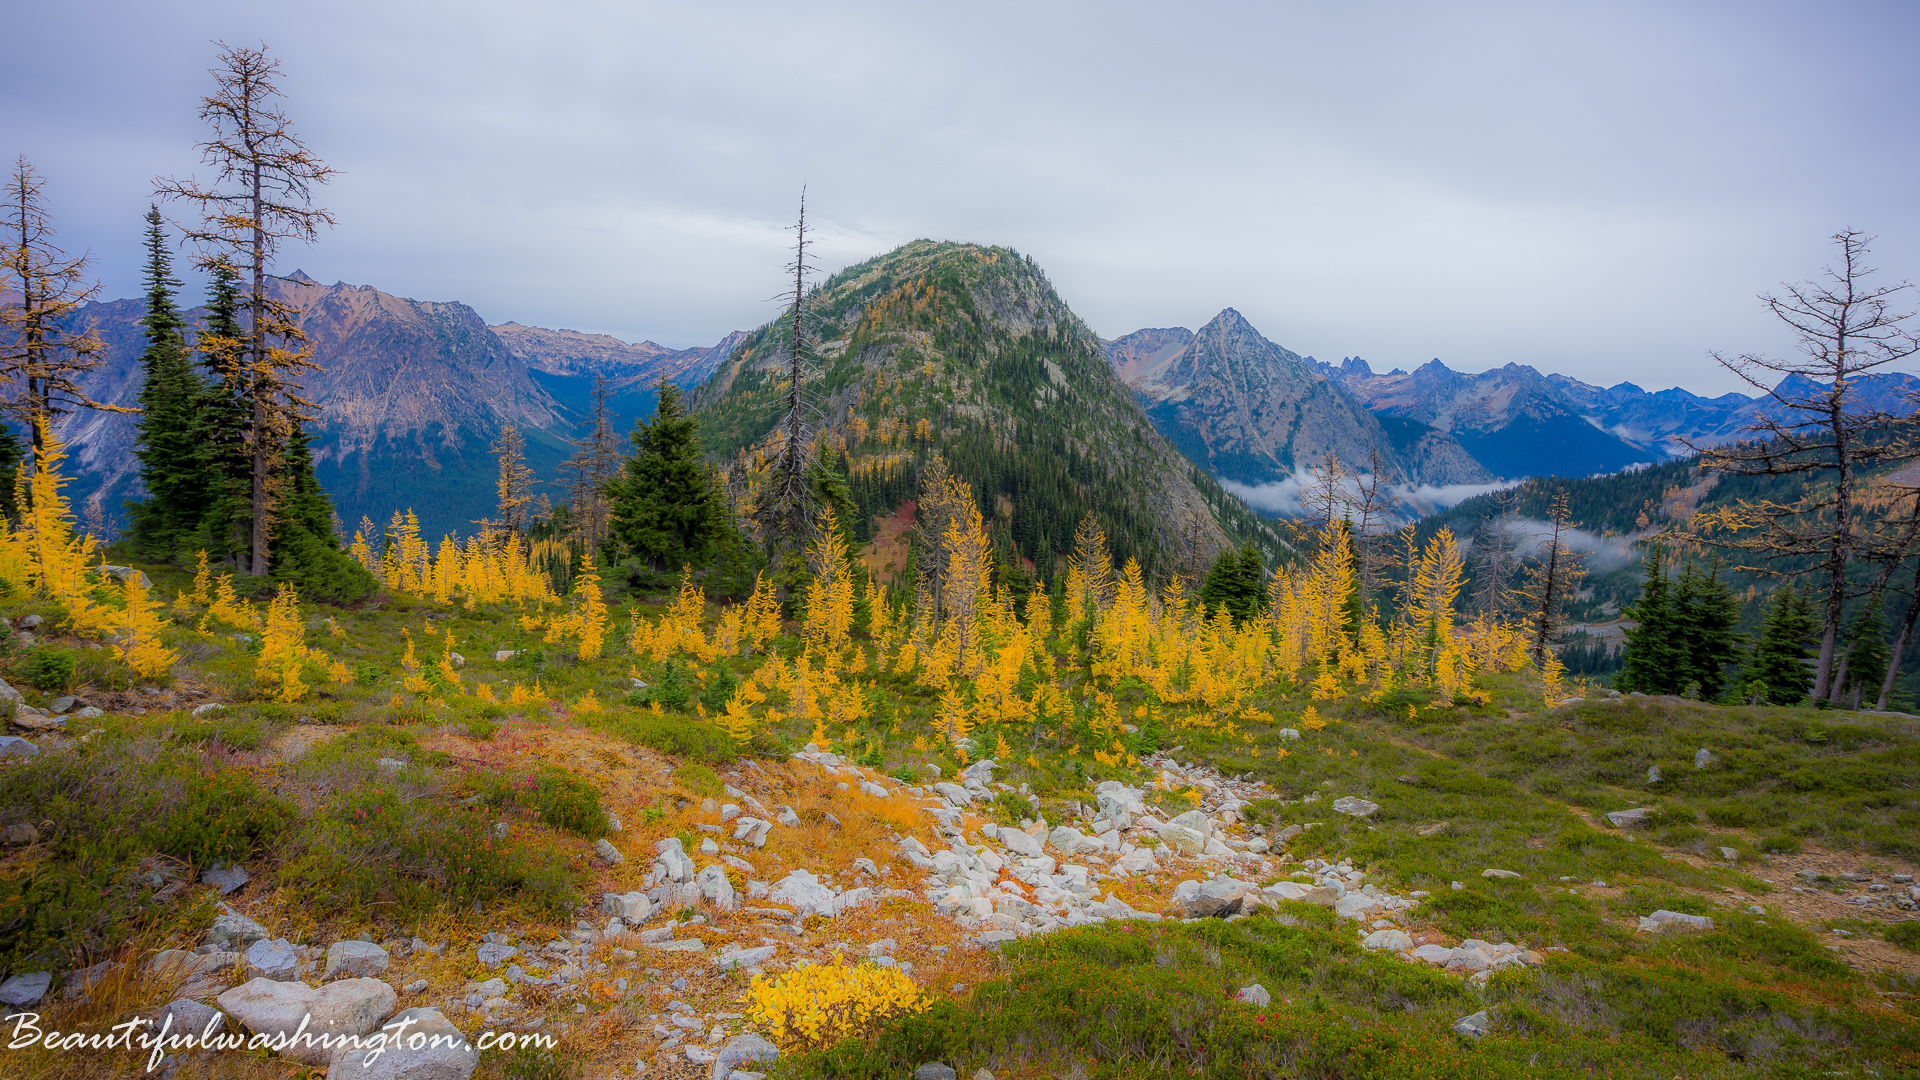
pixel 42 356
pixel 1495 556
pixel 1374 511
pixel 1552 577
pixel 787 512
pixel 595 462
pixel 1847 328
pixel 261 195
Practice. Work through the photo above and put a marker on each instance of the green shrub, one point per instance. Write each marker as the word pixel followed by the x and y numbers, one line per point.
pixel 672 687
pixel 47 668
pixel 1780 843
pixel 555 796
pixel 481 729
pixel 699 779
pixel 1905 934
pixel 368 673
pixel 680 736
pixel 239 732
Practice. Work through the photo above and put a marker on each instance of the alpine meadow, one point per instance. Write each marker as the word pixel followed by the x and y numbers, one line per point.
pixel 914 683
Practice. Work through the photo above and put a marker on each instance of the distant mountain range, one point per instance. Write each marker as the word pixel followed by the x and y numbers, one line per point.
pixel 1252 412
pixel 411 392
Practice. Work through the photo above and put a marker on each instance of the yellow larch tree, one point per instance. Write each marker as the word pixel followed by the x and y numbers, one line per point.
pixel 283 651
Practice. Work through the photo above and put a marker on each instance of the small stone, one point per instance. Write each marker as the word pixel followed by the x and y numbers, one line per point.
pixel 1492 873
pixel 417 986
pixel 607 852
pixel 1729 854
pixel 15 746
pixel 933 1070
pixel 1394 941
pixel 224 878
pixel 186 1017
pixel 742 1050
pixel 209 707
pixel 28 622
pixel 1474 1026
pixel 1673 920
pixel 1756 909
pixel 1622 819
pixel 26 989
pixel 1254 995
pixel 273 959
pixel 1431 830
pixel 1354 806
pixel 1702 758
pixel 456 659
pixel 441 1052
pixel 1653 774
pixel 60 704
pixel 18 835
pixel 504 655
pixel 354 959
pixel 494 955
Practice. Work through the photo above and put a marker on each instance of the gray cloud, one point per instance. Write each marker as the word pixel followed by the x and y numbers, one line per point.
pixel 1593 189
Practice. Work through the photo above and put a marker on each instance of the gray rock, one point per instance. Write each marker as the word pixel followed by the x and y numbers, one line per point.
pixel 1290 734
pixel 787 817
pixel 1020 843
pixel 26 989
pixel 15 746
pixel 1492 873
pixel 60 704
pixel 127 575
pixel 605 849
pixel 347 1007
pixel 441 1051
pixel 224 878
pixel 1182 839
pixel 1625 819
pixel 734 958
pixel 80 984
pixel 19 835
pixel 503 655
pixel 1068 840
pixel 494 955
pixel 933 1070
pixel 742 1050
pixel 804 892
pixel 187 1017
pixel 1474 1026
pixel 631 908
pixel 752 830
pixel 1218 898
pixel 1255 995
pixel 417 986
pixel 88 713
pixel 354 959
pixel 237 931
pixel 1353 806
pixel 1673 920
pixel 1394 941
pixel 209 707
pixel 274 959
pixel 1653 774
pixel 715 890
pixel 28 622
pixel 955 795
pixel 1702 758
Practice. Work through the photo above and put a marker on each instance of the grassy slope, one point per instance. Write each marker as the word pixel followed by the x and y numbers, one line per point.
pixel 340 844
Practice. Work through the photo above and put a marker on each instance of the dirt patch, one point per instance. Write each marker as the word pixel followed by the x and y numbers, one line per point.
pixel 294 742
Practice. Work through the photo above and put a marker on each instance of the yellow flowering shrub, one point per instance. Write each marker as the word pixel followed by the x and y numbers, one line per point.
pixel 822 1004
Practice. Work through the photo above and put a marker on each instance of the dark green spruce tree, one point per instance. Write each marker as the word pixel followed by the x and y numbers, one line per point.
pixel 1706 612
pixel 1867 655
pixel 305 549
pixel 663 509
pixel 170 440
pixel 12 452
pixel 1653 659
pixel 1236 582
pixel 1776 670
pixel 226 413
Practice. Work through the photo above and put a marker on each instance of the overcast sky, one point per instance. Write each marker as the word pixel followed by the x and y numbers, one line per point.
pixel 1596 189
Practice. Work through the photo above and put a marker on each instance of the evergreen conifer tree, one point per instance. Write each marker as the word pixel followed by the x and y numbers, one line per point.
pixel 305 550
pixel 663 509
pixel 1776 671
pixel 1237 582
pixel 12 452
pixel 170 440
pixel 1867 654
pixel 1653 659
pixel 226 414
pixel 1705 613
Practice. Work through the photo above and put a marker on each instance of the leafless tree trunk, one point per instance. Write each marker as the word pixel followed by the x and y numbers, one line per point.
pixel 40 354
pixel 1846 330
pixel 1552 578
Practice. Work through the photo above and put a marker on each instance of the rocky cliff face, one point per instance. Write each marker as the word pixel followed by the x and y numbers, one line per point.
pixel 571 353
pixel 1249 411
pixel 967 351
pixel 411 393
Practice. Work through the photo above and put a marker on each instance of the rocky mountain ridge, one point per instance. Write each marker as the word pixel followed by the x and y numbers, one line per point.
pixel 1248 411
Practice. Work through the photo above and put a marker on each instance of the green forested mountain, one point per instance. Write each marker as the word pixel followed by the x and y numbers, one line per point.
pixel 967 352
